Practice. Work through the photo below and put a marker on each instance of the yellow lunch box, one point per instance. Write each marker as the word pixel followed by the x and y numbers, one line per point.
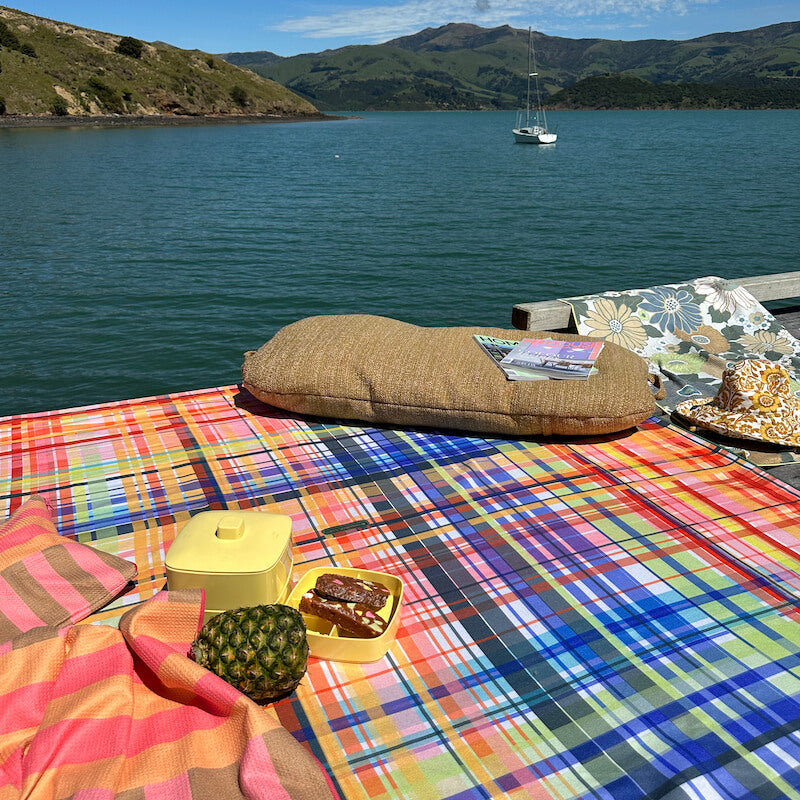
pixel 240 558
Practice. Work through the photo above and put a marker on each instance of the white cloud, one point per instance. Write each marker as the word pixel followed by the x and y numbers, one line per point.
pixel 379 23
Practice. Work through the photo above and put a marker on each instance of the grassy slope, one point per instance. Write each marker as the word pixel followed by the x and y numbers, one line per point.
pixel 466 66
pixel 82 67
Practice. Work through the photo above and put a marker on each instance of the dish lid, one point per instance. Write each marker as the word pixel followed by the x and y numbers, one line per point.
pixel 230 542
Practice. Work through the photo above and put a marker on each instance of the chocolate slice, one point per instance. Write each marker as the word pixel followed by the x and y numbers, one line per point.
pixel 352 590
pixel 355 619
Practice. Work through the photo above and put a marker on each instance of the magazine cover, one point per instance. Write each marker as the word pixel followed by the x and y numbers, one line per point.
pixel 566 360
pixel 497 350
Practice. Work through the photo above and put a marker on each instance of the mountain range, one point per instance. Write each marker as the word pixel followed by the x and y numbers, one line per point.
pixel 56 68
pixel 465 66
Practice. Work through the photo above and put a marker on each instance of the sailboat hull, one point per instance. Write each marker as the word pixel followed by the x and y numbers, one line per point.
pixel 534 135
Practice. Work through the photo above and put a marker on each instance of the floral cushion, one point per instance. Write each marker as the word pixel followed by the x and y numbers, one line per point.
pixel 689 332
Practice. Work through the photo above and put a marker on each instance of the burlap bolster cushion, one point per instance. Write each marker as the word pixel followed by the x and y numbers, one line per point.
pixel 380 370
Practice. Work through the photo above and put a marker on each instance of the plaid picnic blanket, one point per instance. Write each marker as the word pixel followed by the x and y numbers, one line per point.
pixel 600 618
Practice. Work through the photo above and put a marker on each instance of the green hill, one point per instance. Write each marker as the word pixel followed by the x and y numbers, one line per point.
pixel 49 67
pixel 628 91
pixel 466 66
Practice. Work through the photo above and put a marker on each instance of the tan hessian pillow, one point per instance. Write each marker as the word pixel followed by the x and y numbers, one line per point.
pixel 380 370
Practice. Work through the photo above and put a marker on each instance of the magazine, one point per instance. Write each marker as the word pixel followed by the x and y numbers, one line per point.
pixel 554 359
pixel 498 349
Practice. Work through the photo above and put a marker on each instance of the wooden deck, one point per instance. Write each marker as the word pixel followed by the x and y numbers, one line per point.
pixel 778 292
pixel 789 318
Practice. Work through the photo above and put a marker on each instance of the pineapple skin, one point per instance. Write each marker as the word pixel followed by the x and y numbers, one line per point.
pixel 260 650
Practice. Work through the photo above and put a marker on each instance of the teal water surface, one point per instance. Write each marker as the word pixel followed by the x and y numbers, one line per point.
pixel 142 261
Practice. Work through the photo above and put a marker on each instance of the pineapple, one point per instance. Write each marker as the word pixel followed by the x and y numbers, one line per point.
pixel 262 650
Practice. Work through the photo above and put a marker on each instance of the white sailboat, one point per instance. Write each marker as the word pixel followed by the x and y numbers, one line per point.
pixel 535 130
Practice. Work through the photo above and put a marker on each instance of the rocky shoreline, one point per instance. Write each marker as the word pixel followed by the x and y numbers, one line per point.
pixel 156 120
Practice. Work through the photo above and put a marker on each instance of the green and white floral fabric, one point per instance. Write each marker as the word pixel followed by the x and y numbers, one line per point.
pixel 689 332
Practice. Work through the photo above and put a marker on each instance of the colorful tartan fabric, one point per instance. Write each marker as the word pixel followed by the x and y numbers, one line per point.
pixel 94 713
pixel 611 618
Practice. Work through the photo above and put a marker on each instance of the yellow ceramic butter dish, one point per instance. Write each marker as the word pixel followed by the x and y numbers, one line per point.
pixel 240 558
pixel 325 640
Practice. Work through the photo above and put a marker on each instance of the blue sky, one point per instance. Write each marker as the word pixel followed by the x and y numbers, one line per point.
pixel 288 27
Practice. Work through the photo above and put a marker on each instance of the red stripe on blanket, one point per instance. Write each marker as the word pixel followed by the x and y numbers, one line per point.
pixel 80 672
pixel 82 741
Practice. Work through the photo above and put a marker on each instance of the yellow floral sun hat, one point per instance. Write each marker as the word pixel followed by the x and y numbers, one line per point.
pixel 753 402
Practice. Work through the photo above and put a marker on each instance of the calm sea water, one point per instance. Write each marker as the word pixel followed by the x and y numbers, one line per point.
pixel 142 261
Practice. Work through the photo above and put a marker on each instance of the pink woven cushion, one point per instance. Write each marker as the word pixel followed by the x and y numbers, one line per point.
pixel 49 581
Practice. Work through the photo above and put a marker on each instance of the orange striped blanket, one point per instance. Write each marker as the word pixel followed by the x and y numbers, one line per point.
pixel 92 713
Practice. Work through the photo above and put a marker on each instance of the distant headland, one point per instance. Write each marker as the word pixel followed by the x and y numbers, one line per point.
pixel 152 120
pixel 55 69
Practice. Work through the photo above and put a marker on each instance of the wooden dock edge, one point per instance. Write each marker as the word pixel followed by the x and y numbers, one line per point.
pixel 553 315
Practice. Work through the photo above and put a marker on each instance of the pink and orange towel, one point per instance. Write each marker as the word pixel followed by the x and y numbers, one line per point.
pixel 93 713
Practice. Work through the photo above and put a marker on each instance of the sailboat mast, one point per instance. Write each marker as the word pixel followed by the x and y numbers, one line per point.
pixel 528 102
pixel 539 108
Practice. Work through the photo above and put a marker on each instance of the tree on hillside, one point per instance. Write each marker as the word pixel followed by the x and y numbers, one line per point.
pixel 9 39
pixel 58 108
pixel 239 96
pixel 129 46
